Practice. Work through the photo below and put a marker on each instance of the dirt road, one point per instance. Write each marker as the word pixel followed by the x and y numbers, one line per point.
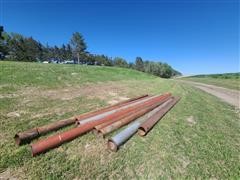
pixel 228 95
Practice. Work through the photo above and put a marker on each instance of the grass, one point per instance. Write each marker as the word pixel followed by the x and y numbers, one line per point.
pixel 228 80
pixel 221 76
pixel 198 138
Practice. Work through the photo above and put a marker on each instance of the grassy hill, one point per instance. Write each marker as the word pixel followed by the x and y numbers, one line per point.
pixel 199 137
pixel 227 80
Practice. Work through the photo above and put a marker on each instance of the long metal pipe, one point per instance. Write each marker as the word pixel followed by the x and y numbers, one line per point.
pixel 85 120
pixel 107 129
pixel 148 124
pixel 131 109
pixel 116 141
pixel 27 136
pixel 58 139
pixel 109 108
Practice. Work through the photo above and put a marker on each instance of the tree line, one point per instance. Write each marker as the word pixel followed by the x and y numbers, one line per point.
pixel 16 47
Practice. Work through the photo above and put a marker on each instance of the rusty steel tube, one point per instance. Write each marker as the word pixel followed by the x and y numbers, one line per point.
pixel 131 108
pixel 116 141
pixel 58 139
pixel 107 129
pixel 109 108
pixel 107 113
pixel 27 136
pixel 54 126
pixel 148 124
pixel 103 125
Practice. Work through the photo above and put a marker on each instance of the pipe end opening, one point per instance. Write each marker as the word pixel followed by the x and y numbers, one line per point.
pixel 17 139
pixel 77 123
pixel 141 131
pixel 112 146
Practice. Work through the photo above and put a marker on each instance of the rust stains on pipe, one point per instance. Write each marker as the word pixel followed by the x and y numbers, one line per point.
pixel 107 113
pixel 54 126
pixel 27 136
pixel 128 111
pixel 148 124
pixel 56 140
pixel 116 141
pixel 140 112
pixel 115 106
pixel 135 109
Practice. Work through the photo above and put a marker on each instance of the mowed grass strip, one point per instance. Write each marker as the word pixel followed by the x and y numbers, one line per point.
pixel 198 138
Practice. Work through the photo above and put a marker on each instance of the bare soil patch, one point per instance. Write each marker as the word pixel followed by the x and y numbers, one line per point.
pixel 102 91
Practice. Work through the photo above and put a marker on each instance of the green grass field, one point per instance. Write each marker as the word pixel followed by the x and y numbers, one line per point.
pixel 198 138
pixel 229 80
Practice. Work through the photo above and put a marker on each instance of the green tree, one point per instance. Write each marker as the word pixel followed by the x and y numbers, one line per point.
pixel 131 65
pixel 78 45
pixel 4 48
pixel 160 69
pixel 48 53
pixel 33 49
pixel 102 60
pixel 24 49
pixel 139 64
pixel 120 62
pixel 165 71
pixel 63 52
pixel 68 52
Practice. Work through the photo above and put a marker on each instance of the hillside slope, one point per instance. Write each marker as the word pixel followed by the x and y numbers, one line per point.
pixel 199 137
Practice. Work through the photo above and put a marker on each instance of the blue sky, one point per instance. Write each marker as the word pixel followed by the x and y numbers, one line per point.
pixel 194 37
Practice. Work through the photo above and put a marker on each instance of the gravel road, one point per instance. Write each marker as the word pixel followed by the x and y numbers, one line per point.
pixel 228 95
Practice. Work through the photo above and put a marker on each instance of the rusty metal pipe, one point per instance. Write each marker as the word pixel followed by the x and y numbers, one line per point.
pixel 128 116
pixel 58 139
pixel 27 136
pixel 140 112
pixel 116 141
pixel 127 111
pixel 148 124
pixel 106 113
pixel 109 108
pixel 135 110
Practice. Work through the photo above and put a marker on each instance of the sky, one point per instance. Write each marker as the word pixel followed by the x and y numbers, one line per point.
pixel 194 37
